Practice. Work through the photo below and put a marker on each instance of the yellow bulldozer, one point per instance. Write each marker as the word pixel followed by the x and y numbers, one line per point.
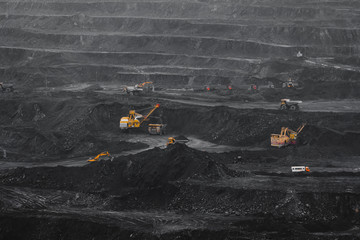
pixel 286 137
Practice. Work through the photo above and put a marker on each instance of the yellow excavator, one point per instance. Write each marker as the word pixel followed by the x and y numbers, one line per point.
pixel 286 137
pixel 140 85
pixel 134 119
pixel 95 159
pixel 173 140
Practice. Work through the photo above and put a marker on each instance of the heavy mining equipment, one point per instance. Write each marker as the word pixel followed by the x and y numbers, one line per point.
pixel 134 119
pixel 156 129
pixel 6 87
pixel 100 155
pixel 300 169
pixel 288 84
pixel 287 104
pixel 286 137
pixel 254 88
pixel 138 88
pixel 173 140
pixel 141 85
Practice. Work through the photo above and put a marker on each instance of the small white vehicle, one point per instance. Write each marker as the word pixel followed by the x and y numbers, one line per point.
pixel 300 169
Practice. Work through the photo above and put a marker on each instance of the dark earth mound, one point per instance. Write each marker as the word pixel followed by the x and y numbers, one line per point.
pixel 150 169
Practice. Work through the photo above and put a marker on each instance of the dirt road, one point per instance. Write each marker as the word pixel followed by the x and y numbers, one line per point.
pixel 346 105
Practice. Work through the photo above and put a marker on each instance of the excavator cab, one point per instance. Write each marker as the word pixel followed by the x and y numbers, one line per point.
pixel 130 121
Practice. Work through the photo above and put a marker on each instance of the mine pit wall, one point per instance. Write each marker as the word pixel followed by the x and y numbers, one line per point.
pixel 300 35
pixel 125 42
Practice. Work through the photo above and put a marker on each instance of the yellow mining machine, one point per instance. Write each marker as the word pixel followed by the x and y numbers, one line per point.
pixel 95 159
pixel 141 85
pixel 286 137
pixel 135 120
pixel 288 84
pixel 173 140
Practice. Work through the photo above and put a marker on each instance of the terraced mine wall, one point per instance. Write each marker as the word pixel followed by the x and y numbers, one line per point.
pixel 177 43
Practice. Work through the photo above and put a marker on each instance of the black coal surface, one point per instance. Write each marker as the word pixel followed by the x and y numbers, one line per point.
pixel 150 169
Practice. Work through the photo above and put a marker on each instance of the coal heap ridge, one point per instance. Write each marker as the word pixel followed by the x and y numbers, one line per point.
pixel 327 137
pixel 151 169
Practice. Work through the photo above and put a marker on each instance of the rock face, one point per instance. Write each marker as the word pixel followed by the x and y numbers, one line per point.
pixel 177 43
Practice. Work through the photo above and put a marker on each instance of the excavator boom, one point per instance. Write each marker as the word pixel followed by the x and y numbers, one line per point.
pixel 144 83
pixel 148 115
pixel 301 128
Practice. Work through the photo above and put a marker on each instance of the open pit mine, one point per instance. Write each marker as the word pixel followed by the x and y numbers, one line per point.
pixel 179 119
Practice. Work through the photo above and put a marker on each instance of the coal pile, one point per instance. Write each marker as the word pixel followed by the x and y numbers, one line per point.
pixel 150 169
pixel 326 137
